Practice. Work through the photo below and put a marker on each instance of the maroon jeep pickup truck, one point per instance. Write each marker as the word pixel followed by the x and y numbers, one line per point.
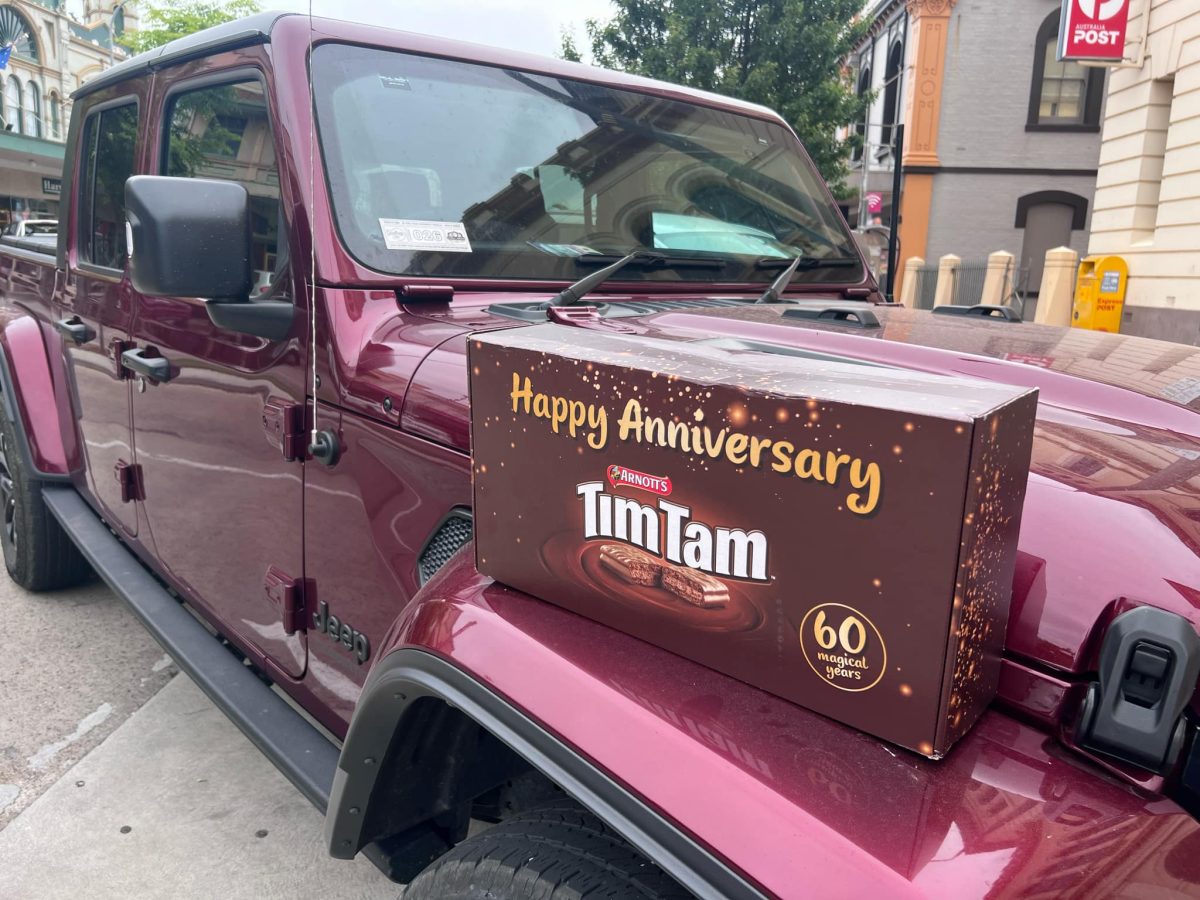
pixel 239 393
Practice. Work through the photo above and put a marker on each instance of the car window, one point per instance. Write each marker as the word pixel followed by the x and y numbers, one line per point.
pixel 222 131
pixel 109 143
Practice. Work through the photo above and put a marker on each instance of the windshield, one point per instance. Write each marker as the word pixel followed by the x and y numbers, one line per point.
pixel 445 168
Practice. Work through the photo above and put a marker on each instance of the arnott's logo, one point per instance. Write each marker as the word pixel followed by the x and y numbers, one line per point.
pixel 619 476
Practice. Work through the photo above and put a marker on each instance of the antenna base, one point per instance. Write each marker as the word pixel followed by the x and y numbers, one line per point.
pixel 325 447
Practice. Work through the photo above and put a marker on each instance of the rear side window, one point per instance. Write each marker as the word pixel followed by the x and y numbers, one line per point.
pixel 109 145
pixel 222 131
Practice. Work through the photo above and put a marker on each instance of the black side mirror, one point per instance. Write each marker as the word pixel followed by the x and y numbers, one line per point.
pixel 189 237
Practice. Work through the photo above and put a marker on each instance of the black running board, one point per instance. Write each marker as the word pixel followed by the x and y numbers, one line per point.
pixel 304 755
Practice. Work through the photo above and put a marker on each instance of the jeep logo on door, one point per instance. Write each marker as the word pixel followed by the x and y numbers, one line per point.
pixel 1093 30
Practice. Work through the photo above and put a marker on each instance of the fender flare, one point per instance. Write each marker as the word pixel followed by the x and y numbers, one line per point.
pixel 30 399
pixel 409 678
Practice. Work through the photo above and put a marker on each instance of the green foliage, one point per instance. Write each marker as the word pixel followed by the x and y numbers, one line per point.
pixel 785 54
pixel 171 19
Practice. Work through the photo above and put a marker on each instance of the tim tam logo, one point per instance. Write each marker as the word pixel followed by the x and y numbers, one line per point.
pixel 619 476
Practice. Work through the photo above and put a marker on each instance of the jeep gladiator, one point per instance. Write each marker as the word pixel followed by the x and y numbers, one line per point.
pixel 238 393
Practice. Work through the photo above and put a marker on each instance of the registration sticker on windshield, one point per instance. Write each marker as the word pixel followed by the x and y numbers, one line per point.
pixel 419 234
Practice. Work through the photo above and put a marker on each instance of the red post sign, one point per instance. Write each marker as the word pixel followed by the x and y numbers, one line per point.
pixel 1093 30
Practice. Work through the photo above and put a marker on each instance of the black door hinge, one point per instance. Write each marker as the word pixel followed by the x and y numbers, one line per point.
pixel 129 477
pixel 283 423
pixel 291 596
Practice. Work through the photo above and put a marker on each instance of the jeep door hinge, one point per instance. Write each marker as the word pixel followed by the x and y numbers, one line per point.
pixel 129 477
pixel 283 423
pixel 291 596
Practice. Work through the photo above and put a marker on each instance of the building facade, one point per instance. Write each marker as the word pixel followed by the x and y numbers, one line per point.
pixel 1148 186
pixel 56 46
pixel 1002 141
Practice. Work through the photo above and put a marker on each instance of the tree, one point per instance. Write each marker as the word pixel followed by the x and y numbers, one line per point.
pixel 785 54
pixel 178 18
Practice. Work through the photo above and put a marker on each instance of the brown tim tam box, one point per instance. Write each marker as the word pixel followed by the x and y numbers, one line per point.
pixel 840 535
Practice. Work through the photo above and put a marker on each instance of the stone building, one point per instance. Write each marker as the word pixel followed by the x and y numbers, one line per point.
pixel 56 46
pixel 1148 186
pixel 1001 140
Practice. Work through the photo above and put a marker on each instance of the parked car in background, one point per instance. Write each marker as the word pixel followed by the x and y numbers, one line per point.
pixel 31 227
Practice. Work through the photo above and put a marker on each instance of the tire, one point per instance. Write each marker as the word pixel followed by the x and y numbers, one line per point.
pixel 37 552
pixel 558 851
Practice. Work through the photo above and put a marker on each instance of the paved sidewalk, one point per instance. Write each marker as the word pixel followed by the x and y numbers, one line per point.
pixel 74 665
pixel 176 803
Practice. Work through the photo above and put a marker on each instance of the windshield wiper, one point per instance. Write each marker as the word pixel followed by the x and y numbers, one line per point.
pixel 652 259
pixel 808 262
pixel 645 258
pixel 772 294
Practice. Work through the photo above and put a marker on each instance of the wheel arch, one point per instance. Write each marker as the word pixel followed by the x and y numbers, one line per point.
pixel 31 397
pixel 423 737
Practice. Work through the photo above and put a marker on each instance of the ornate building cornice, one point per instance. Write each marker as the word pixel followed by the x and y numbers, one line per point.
pixel 918 8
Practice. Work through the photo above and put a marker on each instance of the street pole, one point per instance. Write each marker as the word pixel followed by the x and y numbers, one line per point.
pixel 894 229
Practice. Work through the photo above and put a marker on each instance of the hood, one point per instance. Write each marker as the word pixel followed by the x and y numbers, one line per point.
pixel 1112 513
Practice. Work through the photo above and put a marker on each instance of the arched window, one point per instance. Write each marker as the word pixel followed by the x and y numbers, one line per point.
pixel 1064 96
pixel 891 91
pixel 16 30
pixel 13 118
pixel 33 107
pixel 860 129
pixel 55 126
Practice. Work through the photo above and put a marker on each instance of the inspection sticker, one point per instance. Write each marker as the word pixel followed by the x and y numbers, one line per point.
pixel 419 234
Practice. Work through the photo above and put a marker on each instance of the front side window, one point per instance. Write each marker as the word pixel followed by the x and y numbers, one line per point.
pixel 108 148
pixel 223 131
pixel 542 174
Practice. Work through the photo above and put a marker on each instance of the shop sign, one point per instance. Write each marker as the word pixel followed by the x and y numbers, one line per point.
pixel 1093 30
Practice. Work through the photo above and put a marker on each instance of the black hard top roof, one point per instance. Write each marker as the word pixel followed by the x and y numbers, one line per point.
pixel 245 32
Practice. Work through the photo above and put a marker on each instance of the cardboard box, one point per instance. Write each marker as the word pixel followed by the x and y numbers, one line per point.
pixel 840 535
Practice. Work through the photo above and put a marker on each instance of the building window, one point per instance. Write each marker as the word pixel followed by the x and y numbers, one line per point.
pixel 860 129
pixel 15 30
pixel 14 120
pixel 55 125
pixel 1064 96
pixel 891 94
pixel 33 103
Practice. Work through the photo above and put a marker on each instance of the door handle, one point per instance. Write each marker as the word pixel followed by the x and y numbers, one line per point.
pixel 156 368
pixel 74 329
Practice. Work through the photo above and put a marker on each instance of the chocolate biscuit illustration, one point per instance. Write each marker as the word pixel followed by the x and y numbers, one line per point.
pixel 695 587
pixel 631 564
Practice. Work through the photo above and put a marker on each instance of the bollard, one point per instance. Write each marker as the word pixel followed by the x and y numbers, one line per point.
pixel 910 288
pixel 997 284
pixel 1058 287
pixel 947 279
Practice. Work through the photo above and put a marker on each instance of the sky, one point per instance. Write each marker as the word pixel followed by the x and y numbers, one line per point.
pixel 534 26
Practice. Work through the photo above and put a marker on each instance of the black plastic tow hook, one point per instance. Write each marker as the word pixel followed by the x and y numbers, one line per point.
pixel 1149 663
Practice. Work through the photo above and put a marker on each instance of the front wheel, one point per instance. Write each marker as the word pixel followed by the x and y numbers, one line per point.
pixel 559 851
pixel 37 552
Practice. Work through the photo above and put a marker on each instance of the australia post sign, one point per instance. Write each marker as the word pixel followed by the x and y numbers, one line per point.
pixel 1093 30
